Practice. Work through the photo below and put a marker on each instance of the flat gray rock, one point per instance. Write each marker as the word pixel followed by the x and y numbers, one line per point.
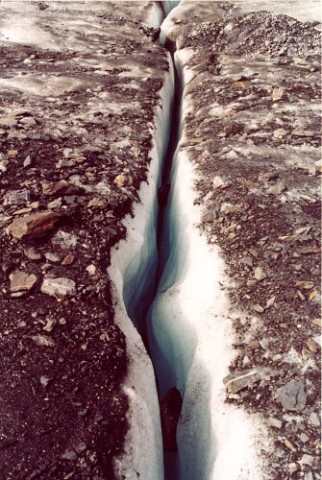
pixel 292 396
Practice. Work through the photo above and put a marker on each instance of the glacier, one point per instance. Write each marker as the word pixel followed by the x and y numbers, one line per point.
pixel 187 331
pixel 169 292
pixel 190 342
pixel 168 5
pixel 190 336
pixel 132 270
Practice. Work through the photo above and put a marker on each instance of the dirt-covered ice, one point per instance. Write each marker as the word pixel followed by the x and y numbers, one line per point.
pixel 236 320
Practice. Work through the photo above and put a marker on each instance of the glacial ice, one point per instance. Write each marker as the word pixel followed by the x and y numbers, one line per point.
pixel 132 270
pixel 308 11
pixel 168 5
pixel 191 339
pixel 189 327
pixel 155 15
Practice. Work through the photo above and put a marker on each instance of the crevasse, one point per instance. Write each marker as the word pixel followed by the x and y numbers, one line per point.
pixel 187 329
pixel 190 330
pixel 132 270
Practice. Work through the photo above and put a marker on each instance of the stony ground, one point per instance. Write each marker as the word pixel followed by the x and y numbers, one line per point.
pixel 253 133
pixel 78 89
pixel 77 93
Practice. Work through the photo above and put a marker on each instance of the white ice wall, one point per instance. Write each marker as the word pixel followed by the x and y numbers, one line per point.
pixel 131 260
pixel 168 5
pixel 155 15
pixel 191 340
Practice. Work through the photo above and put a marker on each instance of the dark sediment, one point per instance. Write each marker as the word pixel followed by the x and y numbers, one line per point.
pixel 75 135
pixel 254 138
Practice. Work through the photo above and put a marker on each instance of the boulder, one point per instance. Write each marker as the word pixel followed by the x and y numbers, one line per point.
pixel 292 395
pixel 33 225
pixel 170 406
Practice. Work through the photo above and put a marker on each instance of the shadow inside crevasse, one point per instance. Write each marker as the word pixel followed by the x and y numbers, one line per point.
pixel 175 365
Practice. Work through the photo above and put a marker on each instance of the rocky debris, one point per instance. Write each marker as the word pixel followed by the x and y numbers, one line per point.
pixel 27 162
pixel 292 396
pixel 21 282
pixel 255 94
pixel 77 112
pixel 51 322
pixel 277 93
pixel 238 381
pixel 170 409
pixel 58 287
pixel 43 341
pixel 52 257
pixel 64 240
pixel 259 274
pixel 314 420
pixel 17 197
pixel 34 225
pixel 275 422
pixel 32 253
pixel 120 181
pixel 91 269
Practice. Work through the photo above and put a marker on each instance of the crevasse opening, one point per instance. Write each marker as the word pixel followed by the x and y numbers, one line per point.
pixel 189 326
pixel 170 287
pixel 133 270
pixel 139 261
pixel 159 240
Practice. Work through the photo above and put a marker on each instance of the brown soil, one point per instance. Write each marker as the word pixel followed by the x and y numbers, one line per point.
pixel 80 154
pixel 254 137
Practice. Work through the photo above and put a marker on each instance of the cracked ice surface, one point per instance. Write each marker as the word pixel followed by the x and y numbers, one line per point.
pixel 22 22
pixel 182 14
pixel 308 11
pixel 196 345
pixel 93 82
pixel 133 263
pixel 191 343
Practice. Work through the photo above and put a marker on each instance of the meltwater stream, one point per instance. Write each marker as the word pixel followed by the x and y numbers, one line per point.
pixel 173 292
pixel 140 292
pixel 157 269
pixel 139 309
pixel 174 296
pixel 163 246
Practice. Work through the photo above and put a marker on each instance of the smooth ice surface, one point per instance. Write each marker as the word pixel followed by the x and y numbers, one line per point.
pixel 191 341
pixel 154 16
pixel 132 269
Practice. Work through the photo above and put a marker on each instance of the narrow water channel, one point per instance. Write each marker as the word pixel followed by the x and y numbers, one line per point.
pixel 139 310
pixel 163 246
